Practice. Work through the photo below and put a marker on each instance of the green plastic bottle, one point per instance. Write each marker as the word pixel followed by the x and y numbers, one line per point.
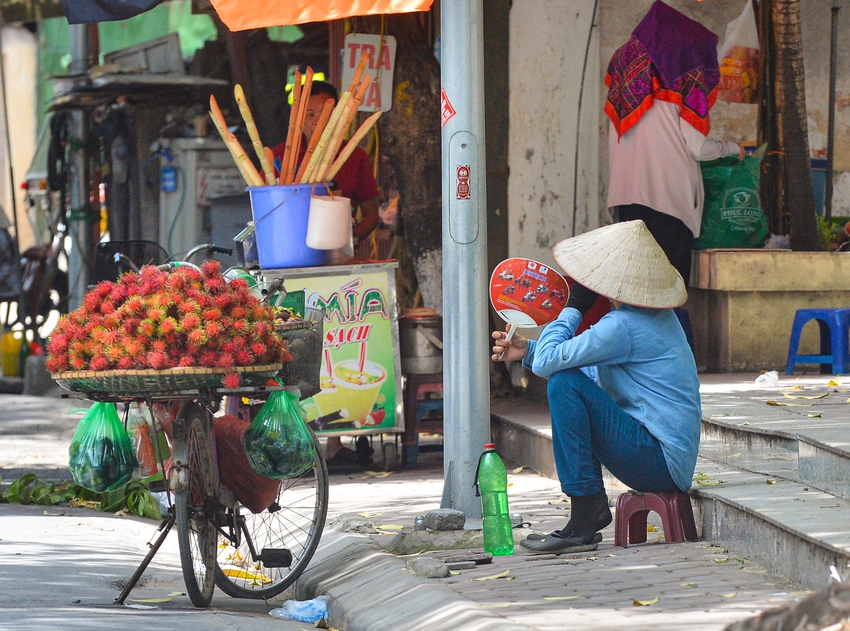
pixel 25 352
pixel 493 485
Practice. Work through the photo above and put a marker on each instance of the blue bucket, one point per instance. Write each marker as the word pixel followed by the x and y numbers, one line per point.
pixel 280 223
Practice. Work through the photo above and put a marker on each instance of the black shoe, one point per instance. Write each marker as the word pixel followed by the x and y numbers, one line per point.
pixel 344 461
pixel 364 452
pixel 603 521
pixel 597 538
pixel 555 544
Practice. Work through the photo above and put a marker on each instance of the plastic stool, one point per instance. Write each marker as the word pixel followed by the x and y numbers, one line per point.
pixel 675 510
pixel 834 326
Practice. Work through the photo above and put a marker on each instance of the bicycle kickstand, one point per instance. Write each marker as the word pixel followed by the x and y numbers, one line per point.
pixel 165 527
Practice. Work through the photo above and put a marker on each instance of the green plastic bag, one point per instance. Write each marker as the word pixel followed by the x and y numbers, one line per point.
pixel 101 451
pixel 278 443
pixel 732 215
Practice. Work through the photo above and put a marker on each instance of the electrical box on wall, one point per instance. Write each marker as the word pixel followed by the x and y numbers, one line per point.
pixel 202 196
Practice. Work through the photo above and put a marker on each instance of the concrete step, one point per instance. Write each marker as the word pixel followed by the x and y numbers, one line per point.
pixel 803 440
pixel 791 529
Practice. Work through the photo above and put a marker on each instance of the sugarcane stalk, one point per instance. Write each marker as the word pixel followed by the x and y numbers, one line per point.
pixel 355 80
pixel 293 116
pixel 327 108
pixel 348 117
pixel 242 102
pixel 270 157
pixel 299 125
pixel 349 148
pixel 326 135
pixel 245 166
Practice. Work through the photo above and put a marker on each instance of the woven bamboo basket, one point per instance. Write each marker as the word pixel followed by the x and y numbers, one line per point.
pixel 142 382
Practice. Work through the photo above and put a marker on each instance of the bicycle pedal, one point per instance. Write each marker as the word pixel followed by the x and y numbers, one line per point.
pixel 271 557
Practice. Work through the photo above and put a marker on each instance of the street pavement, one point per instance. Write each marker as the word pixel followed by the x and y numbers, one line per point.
pixel 60 568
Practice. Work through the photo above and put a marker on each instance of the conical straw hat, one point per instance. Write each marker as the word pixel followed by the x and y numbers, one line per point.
pixel 625 263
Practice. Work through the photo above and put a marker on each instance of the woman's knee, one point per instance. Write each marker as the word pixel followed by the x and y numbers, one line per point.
pixel 564 381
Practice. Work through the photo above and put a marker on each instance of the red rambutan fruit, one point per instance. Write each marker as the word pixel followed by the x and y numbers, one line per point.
pixel 259 349
pixel 225 360
pixel 238 312
pixel 99 363
pixel 126 362
pixel 208 359
pixel 211 314
pixel 212 329
pixel 58 343
pixel 198 337
pixel 168 326
pixel 134 305
pixel 107 306
pixel 134 348
pixel 111 322
pixel 228 347
pixel 156 313
pixel 147 328
pixel 243 358
pixel 77 362
pixel 240 327
pixel 188 306
pixel 111 337
pixel 238 283
pixel 215 284
pixel 157 360
pixel 158 346
pixel 189 322
pixel 210 269
pixel 113 353
pixel 186 361
pixel 231 380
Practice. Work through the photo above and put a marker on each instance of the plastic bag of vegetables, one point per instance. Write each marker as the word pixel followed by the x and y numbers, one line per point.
pixel 278 443
pixel 101 452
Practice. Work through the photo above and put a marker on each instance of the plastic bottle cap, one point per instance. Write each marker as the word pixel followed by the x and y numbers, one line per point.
pixel 490 446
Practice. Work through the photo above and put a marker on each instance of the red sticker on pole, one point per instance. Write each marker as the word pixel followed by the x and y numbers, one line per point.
pixel 463 190
pixel 527 293
pixel 446 109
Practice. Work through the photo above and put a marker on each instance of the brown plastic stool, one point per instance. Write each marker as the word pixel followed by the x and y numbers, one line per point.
pixel 677 517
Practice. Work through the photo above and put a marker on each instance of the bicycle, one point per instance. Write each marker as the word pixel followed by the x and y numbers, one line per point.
pixel 221 543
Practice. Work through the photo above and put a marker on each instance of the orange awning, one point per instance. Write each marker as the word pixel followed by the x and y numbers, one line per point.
pixel 240 15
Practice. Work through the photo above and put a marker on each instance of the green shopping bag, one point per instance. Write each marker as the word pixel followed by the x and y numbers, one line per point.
pixel 732 215
pixel 278 443
pixel 101 451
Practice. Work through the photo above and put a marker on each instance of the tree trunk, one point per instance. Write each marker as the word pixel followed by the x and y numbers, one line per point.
pixel 792 127
pixel 411 140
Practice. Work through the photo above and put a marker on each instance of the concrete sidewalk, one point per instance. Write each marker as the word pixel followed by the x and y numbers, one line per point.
pixel 60 567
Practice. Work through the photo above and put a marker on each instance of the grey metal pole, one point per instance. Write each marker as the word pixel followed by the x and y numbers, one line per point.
pixel 830 134
pixel 12 187
pixel 78 184
pixel 465 361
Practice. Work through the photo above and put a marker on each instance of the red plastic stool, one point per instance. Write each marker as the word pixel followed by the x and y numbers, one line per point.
pixel 675 511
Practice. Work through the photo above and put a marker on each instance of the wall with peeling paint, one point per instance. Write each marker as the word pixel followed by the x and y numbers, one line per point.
pixel 548 40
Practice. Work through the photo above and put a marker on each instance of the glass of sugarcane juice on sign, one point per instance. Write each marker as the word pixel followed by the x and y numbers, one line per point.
pixel 357 388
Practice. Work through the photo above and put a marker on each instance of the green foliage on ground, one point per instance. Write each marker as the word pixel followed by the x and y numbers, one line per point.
pixel 133 498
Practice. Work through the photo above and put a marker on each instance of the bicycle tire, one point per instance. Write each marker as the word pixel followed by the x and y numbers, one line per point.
pixel 294 522
pixel 195 503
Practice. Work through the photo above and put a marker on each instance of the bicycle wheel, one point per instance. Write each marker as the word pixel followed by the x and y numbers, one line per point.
pixel 192 478
pixel 283 537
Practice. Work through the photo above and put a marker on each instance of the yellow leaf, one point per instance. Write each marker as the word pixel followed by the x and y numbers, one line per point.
pixel 709 482
pixel 833 383
pixel 495 606
pixel 687 584
pixel 375 474
pixel 560 597
pixel 732 595
pixel 645 603
pixel 803 396
pixel 369 514
pixel 745 423
pixel 510 578
pixel 789 405
pixel 721 560
pixel 517 470
pixel 797 387
pixel 494 576
pixel 245 574
pixel 815 415
pixel 390 527
pixel 770 482
pixel 166 599
pixel 651 528
pixel 701 476
pixel 453 572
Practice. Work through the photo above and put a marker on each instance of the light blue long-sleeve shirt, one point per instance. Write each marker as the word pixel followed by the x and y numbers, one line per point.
pixel 644 363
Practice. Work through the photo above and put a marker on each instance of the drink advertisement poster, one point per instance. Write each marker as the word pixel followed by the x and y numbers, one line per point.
pixel 361 367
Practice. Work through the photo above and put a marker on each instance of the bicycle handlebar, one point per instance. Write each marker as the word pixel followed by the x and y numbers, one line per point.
pixel 209 247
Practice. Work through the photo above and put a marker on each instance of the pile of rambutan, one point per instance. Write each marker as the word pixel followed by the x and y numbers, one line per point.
pixel 159 320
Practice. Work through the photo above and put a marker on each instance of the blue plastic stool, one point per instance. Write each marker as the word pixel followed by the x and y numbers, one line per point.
pixel 834 327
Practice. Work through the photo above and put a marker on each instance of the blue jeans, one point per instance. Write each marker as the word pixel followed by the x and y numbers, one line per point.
pixel 589 429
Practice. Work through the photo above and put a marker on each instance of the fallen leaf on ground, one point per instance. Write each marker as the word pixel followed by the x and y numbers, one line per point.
pixel 789 405
pixel 770 481
pixel 732 595
pixel 834 382
pixel 645 603
pixel 54 514
pixel 369 514
pixel 745 423
pixel 560 597
pixel 709 482
pixel 814 415
pixel 687 584
pixel 797 387
pixel 376 474
pixel 651 528
pixel 495 605
pixel 803 396
pixel 721 560
pixel 453 572
pixel 390 527
pixel 165 599
pixel 494 576
pixel 517 470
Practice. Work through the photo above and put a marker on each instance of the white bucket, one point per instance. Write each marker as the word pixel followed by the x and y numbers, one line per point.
pixel 329 225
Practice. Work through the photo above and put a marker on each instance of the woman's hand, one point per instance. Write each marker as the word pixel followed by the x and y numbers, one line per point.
pixel 741 151
pixel 510 350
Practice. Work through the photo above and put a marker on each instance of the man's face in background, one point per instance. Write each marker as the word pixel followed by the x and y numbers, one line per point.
pixel 314 111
